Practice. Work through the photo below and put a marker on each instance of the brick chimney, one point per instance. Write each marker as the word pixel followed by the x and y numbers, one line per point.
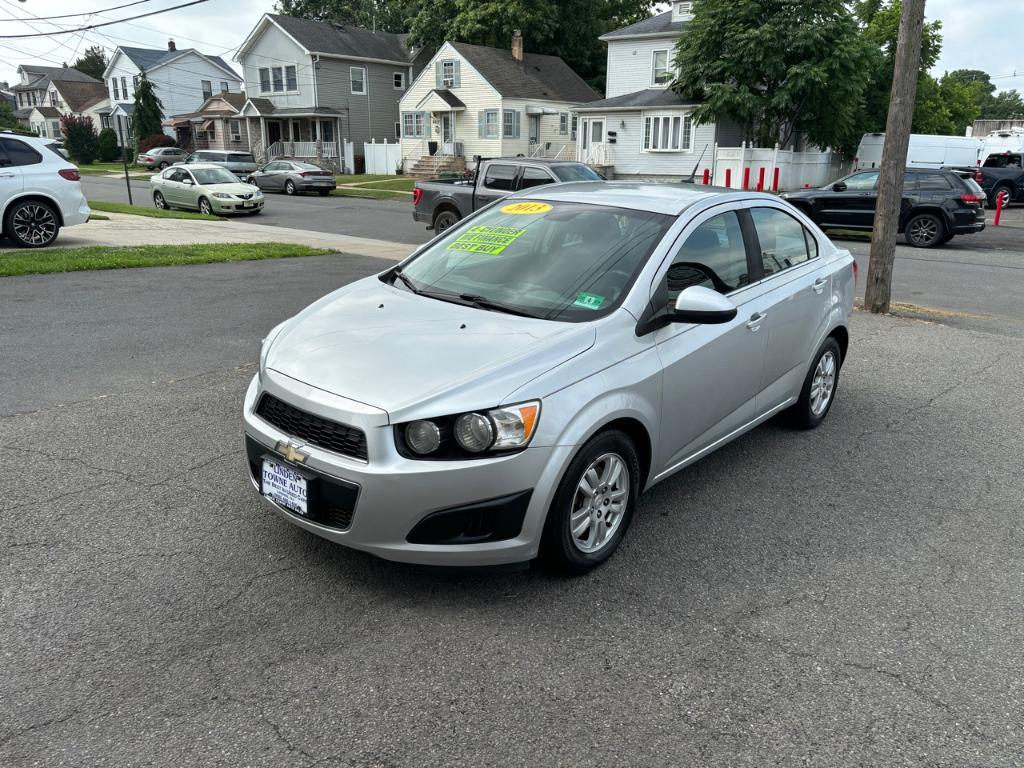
pixel 517 46
pixel 171 46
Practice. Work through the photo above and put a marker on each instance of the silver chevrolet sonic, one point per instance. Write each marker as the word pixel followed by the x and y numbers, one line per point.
pixel 509 389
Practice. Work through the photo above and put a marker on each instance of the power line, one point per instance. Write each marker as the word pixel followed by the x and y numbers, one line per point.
pixel 83 13
pixel 104 24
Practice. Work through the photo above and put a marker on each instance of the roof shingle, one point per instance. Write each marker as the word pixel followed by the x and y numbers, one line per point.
pixel 148 58
pixel 538 77
pixel 653 25
pixel 344 40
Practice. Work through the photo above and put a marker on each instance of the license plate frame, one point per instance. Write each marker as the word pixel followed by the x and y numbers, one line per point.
pixel 288 488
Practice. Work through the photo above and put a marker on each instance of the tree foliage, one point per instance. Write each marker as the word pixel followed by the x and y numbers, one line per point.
pixel 776 68
pixel 148 112
pixel 80 138
pixel 147 143
pixel 107 149
pixel 7 119
pixel 93 62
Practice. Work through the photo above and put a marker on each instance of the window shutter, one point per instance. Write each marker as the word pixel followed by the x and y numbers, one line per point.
pixel 438 74
pixel 515 124
pixel 457 75
pixel 481 116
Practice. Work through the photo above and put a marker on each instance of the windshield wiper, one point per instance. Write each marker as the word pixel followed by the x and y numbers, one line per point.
pixel 484 303
pixel 397 272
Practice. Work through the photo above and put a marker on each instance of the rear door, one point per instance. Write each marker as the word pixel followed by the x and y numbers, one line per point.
pixel 499 180
pixel 172 186
pixel 11 179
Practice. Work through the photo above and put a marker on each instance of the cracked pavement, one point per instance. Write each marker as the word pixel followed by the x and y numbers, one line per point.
pixel 849 596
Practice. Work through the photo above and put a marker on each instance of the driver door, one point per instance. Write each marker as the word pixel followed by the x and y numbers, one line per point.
pixel 853 203
pixel 711 373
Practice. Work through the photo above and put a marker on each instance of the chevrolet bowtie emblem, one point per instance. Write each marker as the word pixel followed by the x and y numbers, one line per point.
pixel 291 452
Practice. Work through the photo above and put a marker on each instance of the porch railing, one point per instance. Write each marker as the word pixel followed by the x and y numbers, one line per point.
pixel 306 149
pixel 547 150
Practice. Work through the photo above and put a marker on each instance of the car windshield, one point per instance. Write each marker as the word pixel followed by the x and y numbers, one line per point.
pixel 558 261
pixel 214 176
pixel 575 173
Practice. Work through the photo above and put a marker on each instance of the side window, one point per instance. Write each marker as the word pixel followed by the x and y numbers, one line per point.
pixel 500 177
pixel 784 241
pixel 933 182
pixel 20 153
pixel 713 256
pixel 534 177
pixel 862 182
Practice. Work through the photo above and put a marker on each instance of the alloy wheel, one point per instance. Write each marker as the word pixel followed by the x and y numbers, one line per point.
pixel 158 201
pixel 204 207
pixel 924 230
pixel 289 188
pixel 34 224
pixel 824 383
pixel 599 504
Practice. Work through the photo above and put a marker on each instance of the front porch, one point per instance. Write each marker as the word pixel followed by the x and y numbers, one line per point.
pixel 313 135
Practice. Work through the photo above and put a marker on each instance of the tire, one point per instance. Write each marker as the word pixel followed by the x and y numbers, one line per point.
pixel 205 207
pixel 323 192
pixel 289 187
pixel 809 411
pixel 31 224
pixel 163 165
pixel 445 220
pixel 160 202
pixel 924 230
pixel 612 452
pixel 1002 189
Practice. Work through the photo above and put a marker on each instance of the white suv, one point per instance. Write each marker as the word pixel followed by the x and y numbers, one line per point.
pixel 40 191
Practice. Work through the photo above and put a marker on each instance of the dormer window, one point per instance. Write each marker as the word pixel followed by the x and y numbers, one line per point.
pixel 682 11
pixel 661 74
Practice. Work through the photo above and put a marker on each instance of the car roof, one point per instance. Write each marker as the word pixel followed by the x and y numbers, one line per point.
pixel 670 198
pixel 537 160
pixel 194 166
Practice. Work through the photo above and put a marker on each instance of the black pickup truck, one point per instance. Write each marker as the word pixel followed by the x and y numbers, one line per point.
pixel 1000 174
pixel 440 203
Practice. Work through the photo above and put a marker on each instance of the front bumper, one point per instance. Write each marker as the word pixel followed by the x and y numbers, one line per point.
pixel 394 495
pixel 236 206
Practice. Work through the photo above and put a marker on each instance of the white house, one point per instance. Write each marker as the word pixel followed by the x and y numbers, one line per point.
pixel 182 79
pixel 35 89
pixel 473 100
pixel 642 128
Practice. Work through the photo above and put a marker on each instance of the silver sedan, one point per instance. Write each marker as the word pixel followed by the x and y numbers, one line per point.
pixel 511 388
pixel 293 177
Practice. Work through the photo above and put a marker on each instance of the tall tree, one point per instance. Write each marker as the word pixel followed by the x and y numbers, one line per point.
pixel 1003 106
pixel 385 15
pixel 7 119
pixel 776 68
pixel 93 62
pixel 148 112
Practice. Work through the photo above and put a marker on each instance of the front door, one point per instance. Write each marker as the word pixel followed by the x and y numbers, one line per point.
pixel 853 203
pixel 593 140
pixel 447 128
pixel 273 132
pixel 296 130
pixel 534 129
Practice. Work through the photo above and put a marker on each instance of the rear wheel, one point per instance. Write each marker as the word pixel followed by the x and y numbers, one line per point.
pixel 163 164
pixel 31 224
pixel 819 388
pixel 445 220
pixel 289 187
pixel 924 230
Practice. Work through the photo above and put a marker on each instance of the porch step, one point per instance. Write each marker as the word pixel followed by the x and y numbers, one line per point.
pixel 433 165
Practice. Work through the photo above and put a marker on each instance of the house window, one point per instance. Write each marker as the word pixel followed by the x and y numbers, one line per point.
pixel 128 125
pixel 357 76
pixel 235 127
pixel 105 121
pixel 489 126
pixel 398 130
pixel 224 86
pixel 563 123
pixel 290 79
pixel 117 93
pixel 668 133
pixel 135 84
pixel 124 87
pixel 399 79
pixel 575 121
pixel 510 124
pixel 207 89
pixel 661 75
pixel 278 78
pixel 413 125
pixel 448 74
pixel 265 80
pixel 55 127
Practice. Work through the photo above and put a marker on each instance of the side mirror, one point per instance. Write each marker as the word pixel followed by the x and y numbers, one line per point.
pixel 698 304
pixel 189 182
pixel 839 187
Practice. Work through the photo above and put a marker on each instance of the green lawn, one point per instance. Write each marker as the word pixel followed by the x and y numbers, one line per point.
pixel 153 213
pixel 110 168
pixel 359 178
pixel 376 194
pixel 394 182
pixel 37 262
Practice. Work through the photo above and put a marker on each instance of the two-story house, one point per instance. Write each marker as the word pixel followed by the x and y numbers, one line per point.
pixel 312 86
pixel 183 79
pixel 474 100
pixel 642 128
pixel 32 94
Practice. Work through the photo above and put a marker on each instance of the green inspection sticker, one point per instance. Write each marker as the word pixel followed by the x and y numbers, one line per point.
pixel 484 239
pixel 588 300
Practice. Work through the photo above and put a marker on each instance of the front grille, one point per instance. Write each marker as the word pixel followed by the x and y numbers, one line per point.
pixel 329 435
pixel 245 197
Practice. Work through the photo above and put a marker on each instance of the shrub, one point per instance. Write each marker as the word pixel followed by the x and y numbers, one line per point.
pixel 147 143
pixel 80 138
pixel 108 150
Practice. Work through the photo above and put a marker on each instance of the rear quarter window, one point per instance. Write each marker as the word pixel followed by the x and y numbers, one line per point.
pixel 933 182
pixel 20 153
pixel 239 158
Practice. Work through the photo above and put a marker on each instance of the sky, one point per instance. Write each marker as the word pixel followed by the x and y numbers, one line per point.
pixel 984 34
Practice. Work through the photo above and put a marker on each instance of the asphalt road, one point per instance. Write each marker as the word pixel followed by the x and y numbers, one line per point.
pixel 845 597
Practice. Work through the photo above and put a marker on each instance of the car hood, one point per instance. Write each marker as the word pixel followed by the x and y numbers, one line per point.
pixel 232 189
pixel 414 356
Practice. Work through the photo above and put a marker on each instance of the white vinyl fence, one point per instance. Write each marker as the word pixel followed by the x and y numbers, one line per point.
pixel 773 170
pixel 383 158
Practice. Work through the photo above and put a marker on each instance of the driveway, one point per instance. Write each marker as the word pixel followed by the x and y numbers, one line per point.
pixel 848 596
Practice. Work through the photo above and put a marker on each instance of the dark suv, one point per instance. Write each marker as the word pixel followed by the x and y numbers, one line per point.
pixel 937 204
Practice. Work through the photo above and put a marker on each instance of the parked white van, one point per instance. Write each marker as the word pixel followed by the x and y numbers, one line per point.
pixel 924 151
pixel 998 142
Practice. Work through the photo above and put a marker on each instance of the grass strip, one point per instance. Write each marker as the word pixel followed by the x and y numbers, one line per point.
pixel 153 213
pixel 376 194
pixel 47 260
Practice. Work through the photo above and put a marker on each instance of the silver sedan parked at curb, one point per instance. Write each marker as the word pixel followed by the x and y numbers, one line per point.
pixel 209 189
pixel 293 177
pixel 511 388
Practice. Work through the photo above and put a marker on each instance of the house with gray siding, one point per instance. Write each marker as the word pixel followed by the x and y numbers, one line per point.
pixel 642 128
pixel 312 86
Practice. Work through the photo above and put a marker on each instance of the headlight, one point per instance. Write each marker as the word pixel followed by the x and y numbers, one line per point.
pixel 469 435
pixel 222 195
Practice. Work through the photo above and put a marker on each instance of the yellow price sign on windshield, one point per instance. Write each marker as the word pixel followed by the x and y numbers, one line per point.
pixel 526 208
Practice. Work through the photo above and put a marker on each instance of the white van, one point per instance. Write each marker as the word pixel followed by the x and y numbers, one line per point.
pixel 923 151
pixel 998 142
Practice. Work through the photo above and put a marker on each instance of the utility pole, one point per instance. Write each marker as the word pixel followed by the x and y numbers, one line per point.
pixel 894 157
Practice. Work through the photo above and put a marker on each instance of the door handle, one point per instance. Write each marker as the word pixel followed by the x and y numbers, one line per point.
pixel 819 284
pixel 7 175
pixel 754 323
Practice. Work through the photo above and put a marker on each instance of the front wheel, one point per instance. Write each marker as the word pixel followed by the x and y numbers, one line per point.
pixel 593 505
pixel 159 201
pixel 819 388
pixel 289 187
pixel 31 224
pixel 924 230
pixel 205 207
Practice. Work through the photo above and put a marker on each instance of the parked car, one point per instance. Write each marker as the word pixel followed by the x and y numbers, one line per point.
pixel 293 177
pixel 40 191
pixel 208 188
pixel 161 157
pixel 510 388
pixel 936 205
pixel 440 203
pixel 1000 174
pixel 239 163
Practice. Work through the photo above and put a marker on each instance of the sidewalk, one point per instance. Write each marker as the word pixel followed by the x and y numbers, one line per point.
pixel 125 229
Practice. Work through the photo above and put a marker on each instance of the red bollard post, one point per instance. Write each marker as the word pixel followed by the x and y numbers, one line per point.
pixel 707 176
pixel 775 181
pixel 760 179
pixel 728 178
pixel 746 179
pixel 999 208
